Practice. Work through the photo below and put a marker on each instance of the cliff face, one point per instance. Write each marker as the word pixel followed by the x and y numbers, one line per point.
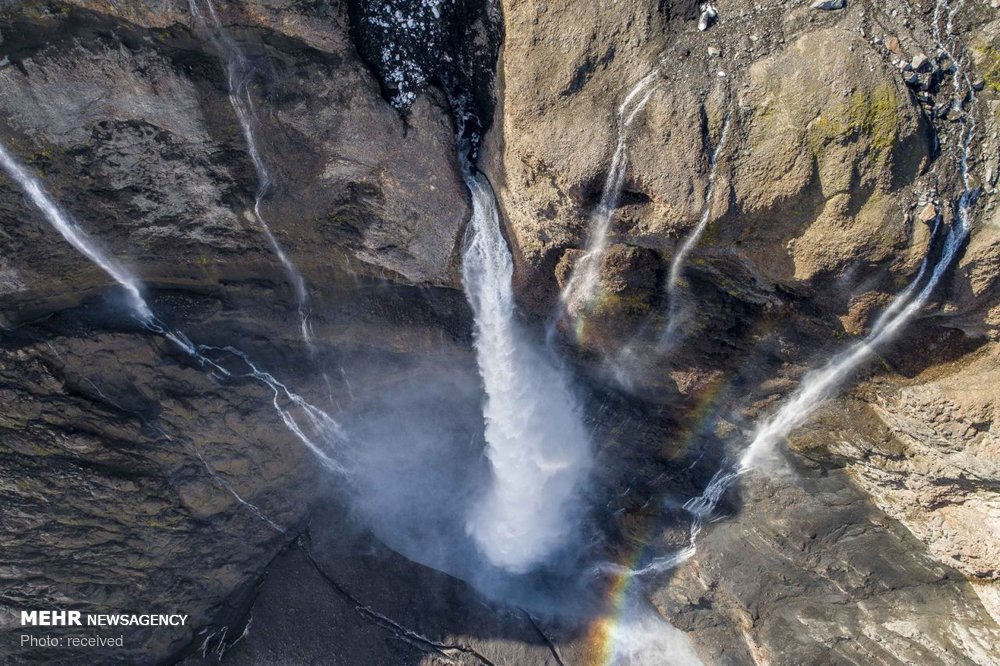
pixel 837 147
pixel 133 104
pixel 133 479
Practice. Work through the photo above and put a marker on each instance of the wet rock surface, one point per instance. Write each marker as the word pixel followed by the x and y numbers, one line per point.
pixel 137 481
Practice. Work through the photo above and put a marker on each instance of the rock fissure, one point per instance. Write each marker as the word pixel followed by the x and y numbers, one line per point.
pixel 444 649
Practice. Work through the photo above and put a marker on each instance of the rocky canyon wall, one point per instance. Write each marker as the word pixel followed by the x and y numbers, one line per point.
pixel 133 478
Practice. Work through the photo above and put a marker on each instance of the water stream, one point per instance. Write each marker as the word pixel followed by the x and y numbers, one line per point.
pixel 675 318
pixel 239 73
pixel 579 290
pixel 537 445
pixel 76 237
pixel 286 402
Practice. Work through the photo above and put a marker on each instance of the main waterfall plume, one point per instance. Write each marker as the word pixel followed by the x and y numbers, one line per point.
pixel 537 445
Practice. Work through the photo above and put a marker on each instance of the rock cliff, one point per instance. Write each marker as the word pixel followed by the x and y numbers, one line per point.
pixel 818 146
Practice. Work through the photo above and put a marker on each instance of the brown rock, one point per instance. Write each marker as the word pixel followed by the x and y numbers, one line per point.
pixel 927 214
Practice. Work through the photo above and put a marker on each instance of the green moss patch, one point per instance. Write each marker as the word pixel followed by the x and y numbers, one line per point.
pixel 870 114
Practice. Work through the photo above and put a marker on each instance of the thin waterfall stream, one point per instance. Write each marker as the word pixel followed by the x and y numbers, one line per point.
pixel 818 385
pixel 239 75
pixel 324 427
pixel 622 364
pixel 677 263
pixel 578 291
pixel 71 231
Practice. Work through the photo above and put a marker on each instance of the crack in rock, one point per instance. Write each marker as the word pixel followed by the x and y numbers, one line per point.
pixel 424 643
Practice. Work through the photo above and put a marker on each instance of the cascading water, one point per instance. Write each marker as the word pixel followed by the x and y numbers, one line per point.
pixel 239 75
pixel 323 425
pixel 69 230
pixel 537 445
pixel 579 289
pixel 674 318
pixel 818 385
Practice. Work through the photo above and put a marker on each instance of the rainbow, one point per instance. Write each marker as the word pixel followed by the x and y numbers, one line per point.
pixel 603 637
pixel 604 631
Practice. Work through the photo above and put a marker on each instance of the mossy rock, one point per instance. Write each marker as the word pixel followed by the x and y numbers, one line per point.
pixel 632 304
pixel 987 58
pixel 869 114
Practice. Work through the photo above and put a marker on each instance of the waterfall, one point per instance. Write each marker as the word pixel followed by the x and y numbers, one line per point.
pixel 817 385
pixel 323 425
pixel 820 384
pixel 538 448
pixel 579 289
pixel 680 257
pixel 239 75
pixel 71 231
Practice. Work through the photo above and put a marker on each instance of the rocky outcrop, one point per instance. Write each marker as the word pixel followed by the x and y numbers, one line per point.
pixel 135 483
pixel 133 104
pixel 808 571
pixel 828 141
pixel 925 449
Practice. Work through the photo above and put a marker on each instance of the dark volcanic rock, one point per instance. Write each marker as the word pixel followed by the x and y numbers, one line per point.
pixel 133 482
pixel 375 605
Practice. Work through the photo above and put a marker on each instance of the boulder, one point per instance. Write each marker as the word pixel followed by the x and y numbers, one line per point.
pixel 829 5
pixel 920 63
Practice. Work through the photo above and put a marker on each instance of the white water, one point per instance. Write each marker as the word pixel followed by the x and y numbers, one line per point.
pixel 239 73
pixel 537 445
pixel 641 637
pixel 70 230
pixel 285 400
pixel 684 251
pixel 323 425
pixel 818 385
pixel 579 289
